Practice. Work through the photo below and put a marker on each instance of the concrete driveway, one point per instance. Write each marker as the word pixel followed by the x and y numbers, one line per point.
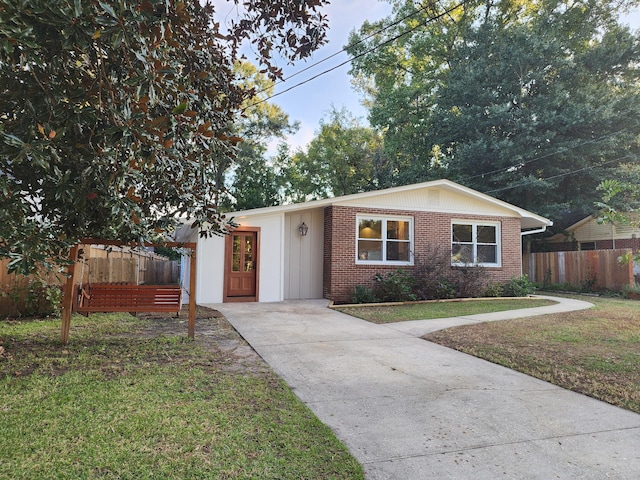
pixel 411 409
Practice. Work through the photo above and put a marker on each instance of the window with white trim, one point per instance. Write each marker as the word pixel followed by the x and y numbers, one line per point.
pixel 384 240
pixel 475 243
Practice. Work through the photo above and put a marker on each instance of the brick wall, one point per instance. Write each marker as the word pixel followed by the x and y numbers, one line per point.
pixel 328 251
pixel 431 230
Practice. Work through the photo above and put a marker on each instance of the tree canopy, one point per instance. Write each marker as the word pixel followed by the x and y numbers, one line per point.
pixel 534 102
pixel 620 201
pixel 116 115
pixel 254 180
pixel 344 157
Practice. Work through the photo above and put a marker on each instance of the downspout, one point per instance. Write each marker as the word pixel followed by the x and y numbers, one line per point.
pixel 613 235
pixel 530 232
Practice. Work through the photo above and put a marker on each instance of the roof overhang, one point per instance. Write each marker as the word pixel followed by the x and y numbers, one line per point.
pixel 529 220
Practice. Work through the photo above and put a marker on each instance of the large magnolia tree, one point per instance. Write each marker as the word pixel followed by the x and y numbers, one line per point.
pixel 114 115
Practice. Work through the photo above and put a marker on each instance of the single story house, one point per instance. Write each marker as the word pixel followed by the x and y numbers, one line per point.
pixel 324 248
pixel 589 234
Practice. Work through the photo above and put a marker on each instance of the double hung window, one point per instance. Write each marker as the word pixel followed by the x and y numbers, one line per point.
pixel 384 240
pixel 475 243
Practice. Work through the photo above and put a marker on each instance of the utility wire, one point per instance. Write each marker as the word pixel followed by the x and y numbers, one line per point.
pixel 343 50
pixel 531 182
pixel 386 42
pixel 551 154
pixel 402 34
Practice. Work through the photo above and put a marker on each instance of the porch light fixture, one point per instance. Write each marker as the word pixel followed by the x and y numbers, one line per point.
pixel 303 229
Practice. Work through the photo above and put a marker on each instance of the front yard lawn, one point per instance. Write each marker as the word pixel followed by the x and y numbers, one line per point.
pixel 134 398
pixel 439 309
pixel 595 352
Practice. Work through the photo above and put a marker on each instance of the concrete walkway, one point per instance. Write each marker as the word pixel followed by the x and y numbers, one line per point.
pixel 410 409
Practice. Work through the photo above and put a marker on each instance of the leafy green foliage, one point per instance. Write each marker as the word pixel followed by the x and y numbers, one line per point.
pixel 363 294
pixel 171 253
pixel 32 297
pixel 431 278
pixel 342 159
pixel 631 290
pixel 493 290
pixel 117 117
pixel 254 181
pixel 620 203
pixel 534 102
pixel 436 279
pixel 518 287
pixel 395 286
pixel 621 197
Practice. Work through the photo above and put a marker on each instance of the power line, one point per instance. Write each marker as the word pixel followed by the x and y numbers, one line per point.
pixel 531 182
pixel 386 42
pixel 343 50
pixel 561 150
pixel 402 34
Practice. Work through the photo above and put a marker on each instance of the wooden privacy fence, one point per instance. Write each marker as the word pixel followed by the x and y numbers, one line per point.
pixel 600 267
pixel 24 295
pixel 124 265
pixel 135 270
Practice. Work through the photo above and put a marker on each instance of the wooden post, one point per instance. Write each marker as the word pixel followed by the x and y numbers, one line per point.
pixel 192 293
pixel 67 299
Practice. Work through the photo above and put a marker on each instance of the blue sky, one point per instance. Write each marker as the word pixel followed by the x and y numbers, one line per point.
pixel 311 102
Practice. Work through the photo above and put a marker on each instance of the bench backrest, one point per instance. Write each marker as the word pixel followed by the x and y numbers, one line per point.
pixel 131 298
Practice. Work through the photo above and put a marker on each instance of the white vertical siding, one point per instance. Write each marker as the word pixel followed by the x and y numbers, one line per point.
pixel 271 261
pixel 211 255
pixel 303 255
pixel 185 276
pixel 210 274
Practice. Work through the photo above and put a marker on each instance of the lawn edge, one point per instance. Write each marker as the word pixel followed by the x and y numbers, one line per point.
pixel 332 305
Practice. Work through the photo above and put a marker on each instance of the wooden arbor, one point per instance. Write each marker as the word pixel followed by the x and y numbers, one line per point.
pixel 67 300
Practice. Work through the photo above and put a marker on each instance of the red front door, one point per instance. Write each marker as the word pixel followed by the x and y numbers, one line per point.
pixel 241 266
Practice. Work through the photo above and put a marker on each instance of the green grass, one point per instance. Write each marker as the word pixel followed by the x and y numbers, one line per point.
pixel 595 352
pixel 432 310
pixel 121 402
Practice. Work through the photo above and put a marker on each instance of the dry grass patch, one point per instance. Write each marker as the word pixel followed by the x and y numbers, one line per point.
pixel 595 352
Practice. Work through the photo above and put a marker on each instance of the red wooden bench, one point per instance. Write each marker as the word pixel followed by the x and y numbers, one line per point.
pixel 130 298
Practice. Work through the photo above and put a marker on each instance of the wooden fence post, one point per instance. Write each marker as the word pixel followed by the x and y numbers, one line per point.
pixel 67 299
pixel 192 293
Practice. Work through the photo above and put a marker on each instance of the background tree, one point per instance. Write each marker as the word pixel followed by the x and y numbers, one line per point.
pixel 343 158
pixel 116 115
pixel 533 102
pixel 620 202
pixel 254 180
